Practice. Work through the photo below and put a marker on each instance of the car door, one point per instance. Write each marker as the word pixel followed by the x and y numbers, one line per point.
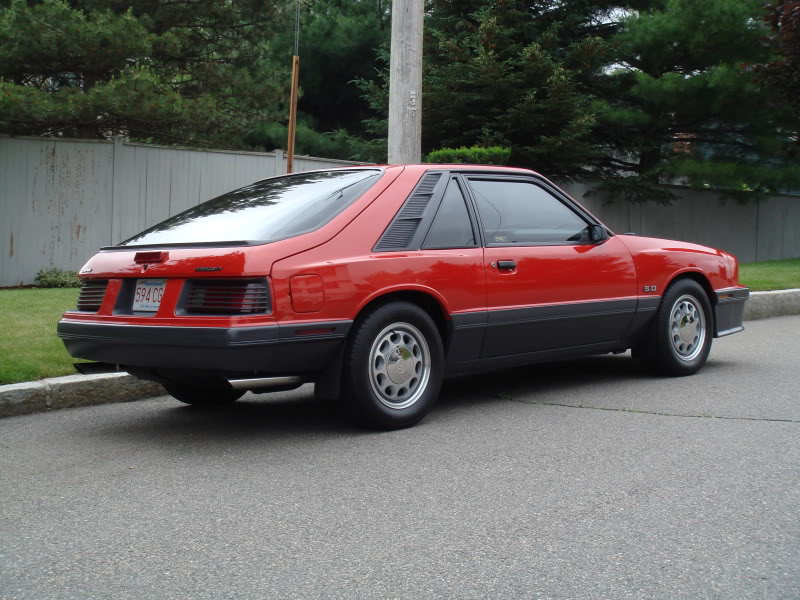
pixel 549 286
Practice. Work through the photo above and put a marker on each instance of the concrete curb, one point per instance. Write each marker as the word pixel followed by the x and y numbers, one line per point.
pixel 87 390
pixel 73 390
pixel 778 303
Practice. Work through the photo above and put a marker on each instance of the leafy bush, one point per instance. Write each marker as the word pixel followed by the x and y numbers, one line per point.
pixel 476 155
pixel 309 142
pixel 57 278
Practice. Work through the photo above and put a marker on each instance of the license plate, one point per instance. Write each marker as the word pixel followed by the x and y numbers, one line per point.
pixel 148 294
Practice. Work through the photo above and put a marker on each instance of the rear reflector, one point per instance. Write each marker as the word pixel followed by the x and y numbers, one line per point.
pixel 92 293
pixel 226 297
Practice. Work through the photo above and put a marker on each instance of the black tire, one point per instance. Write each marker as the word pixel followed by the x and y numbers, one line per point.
pixel 684 328
pixel 398 387
pixel 202 396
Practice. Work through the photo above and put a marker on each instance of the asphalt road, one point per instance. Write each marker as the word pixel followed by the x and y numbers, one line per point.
pixel 585 479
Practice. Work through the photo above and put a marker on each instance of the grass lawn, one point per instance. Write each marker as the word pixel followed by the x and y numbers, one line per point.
pixel 771 274
pixel 29 347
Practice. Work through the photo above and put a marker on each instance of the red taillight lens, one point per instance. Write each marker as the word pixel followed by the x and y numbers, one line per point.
pixel 226 297
pixel 149 257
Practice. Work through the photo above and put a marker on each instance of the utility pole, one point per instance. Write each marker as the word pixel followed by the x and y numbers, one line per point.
pixel 405 82
pixel 293 94
pixel 293 113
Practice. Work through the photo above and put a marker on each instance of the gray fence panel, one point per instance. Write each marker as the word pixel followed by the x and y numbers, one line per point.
pixel 53 204
pixel 767 230
pixel 60 200
pixel 778 228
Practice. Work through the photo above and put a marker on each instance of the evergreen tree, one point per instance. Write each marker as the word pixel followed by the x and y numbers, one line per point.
pixel 680 104
pixel 783 73
pixel 518 74
pixel 339 43
pixel 184 71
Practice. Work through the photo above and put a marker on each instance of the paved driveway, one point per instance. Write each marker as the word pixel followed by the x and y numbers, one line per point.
pixel 580 480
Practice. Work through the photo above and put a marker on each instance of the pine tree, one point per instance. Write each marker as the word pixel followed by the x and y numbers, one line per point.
pixel 681 103
pixel 783 73
pixel 192 72
pixel 516 74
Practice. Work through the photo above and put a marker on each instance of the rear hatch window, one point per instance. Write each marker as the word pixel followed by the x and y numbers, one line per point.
pixel 267 211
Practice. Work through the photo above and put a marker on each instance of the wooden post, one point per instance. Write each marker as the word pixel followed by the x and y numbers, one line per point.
pixel 405 82
pixel 293 112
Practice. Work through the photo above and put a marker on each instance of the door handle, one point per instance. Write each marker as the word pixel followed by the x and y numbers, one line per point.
pixel 506 265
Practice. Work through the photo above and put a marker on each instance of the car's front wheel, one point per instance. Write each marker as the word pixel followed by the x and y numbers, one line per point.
pixel 684 329
pixel 393 368
pixel 202 396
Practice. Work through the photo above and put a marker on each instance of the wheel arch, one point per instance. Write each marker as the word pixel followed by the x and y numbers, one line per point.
pixel 329 382
pixel 431 304
pixel 700 278
pixel 645 347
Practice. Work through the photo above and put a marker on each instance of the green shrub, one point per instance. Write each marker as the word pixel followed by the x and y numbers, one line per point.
pixel 57 278
pixel 476 155
pixel 309 142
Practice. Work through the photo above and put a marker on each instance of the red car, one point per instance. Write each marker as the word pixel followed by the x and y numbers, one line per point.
pixel 377 282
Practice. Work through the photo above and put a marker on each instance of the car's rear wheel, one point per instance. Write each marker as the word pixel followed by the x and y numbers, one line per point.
pixel 202 396
pixel 684 329
pixel 393 366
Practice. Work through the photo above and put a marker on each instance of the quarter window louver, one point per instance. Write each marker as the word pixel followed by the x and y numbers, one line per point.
pixel 227 297
pixel 92 294
pixel 400 233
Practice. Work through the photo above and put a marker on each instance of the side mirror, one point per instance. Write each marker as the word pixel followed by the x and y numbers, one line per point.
pixel 598 233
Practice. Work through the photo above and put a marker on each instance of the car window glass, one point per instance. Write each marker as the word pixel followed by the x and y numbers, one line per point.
pixel 518 212
pixel 451 227
pixel 269 210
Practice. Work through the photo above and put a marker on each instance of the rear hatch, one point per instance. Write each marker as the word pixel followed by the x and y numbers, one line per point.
pixel 213 260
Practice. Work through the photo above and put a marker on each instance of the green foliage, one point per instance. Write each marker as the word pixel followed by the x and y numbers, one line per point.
pixel 514 74
pixel 782 73
pixel 634 93
pixel 751 176
pixel 193 72
pixel 336 144
pixel 633 189
pixel 57 278
pixel 476 155
pixel 339 43
pixel 681 106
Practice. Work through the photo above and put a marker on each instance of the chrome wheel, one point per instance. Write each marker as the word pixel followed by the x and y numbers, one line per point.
pixel 687 328
pixel 400 365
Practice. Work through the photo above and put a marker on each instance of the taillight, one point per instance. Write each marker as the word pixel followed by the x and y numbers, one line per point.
pixel 226 297
pixel 92 293
pixel 149 257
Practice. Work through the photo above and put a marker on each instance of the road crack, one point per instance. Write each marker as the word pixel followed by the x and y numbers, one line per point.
pixel 647 412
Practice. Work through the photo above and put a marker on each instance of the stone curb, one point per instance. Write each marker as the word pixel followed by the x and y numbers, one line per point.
pixel 73 390
pixel 778 303
pixel 87 390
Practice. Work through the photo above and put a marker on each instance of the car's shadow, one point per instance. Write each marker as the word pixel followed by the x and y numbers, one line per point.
pixel 297 414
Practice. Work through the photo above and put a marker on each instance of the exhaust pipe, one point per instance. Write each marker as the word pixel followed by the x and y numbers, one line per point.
pixel 96 368
pixel 265 383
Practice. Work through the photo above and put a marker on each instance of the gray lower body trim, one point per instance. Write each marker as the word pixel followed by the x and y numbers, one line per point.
pixel 280 349
pixel 729 311
pixel 485 335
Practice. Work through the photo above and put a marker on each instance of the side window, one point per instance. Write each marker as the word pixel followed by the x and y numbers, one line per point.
pixel 518 212
pixel 451 227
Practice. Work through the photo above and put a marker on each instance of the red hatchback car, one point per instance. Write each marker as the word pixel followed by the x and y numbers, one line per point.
pixel 377 282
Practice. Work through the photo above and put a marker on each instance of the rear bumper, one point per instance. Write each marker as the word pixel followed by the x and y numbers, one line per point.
pixel 271 349
pixel 729 310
